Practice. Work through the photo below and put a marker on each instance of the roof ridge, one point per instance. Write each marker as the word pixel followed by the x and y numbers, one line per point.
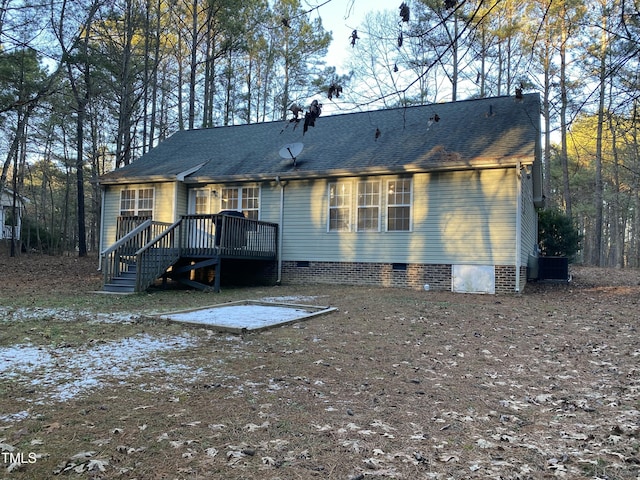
pixel 372 111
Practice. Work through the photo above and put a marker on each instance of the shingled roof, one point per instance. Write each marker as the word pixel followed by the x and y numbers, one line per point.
pixel 490 132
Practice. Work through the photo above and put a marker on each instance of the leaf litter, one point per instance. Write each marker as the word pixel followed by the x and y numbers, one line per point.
pixel 397 384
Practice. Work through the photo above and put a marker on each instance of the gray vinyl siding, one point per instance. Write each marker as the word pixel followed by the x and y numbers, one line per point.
pixel 463 217
pixel 164 208
pixel 457 217
pixel 110 215
pixel 529 220
pixel 181 200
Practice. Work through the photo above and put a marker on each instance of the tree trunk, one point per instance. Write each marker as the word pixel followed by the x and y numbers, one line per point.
pixel 483 54
pixel 82 237
pixel 13 149
pixel 454 51
pixel 154 76
pixel 146 75
pixel 285 91
pixel 207 107
pixel 618 215
pixel 18 153
pixel 564 156
pixel 634 248
pixel 546 111
pixel 193 67
pixel 125 111
pixel 180 77
pixel 599 189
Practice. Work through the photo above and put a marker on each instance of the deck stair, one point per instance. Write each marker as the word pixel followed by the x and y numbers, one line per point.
pixel 125 282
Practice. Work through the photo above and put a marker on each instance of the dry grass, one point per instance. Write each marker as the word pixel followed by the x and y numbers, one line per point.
pixel 395 384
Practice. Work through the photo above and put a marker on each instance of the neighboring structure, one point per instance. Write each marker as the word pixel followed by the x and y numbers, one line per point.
pixel 440 196
pixel 9 228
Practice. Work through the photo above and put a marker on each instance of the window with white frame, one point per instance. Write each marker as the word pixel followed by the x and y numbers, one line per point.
pixel 127 203
pixel 399 205
pixel 245 199
pixel 137 202
pixel 339 207
pixel 368 212
pixel 202 201
pixel 251 202
pixel 229 198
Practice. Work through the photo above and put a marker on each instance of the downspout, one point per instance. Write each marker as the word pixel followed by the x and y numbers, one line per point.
pixel 518 223
pixel 280 235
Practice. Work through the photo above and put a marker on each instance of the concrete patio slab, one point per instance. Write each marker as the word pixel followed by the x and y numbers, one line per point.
pixel 247 315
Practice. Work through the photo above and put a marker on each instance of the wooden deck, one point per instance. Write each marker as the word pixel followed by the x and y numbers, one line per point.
pixel 147 250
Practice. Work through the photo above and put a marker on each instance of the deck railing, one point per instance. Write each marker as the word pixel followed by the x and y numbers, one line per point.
pixel 153 259
pixel 155 246
pixel 118 256
pixel 126 223
pixel 228 236
pixel 197 236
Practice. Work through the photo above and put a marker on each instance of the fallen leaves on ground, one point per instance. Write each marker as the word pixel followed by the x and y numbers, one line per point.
pixel 395 384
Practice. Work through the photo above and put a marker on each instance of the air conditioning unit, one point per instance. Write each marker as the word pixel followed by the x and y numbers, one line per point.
pixel 553 268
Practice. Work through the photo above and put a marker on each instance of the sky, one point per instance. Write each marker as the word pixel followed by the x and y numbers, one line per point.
pixel 341 17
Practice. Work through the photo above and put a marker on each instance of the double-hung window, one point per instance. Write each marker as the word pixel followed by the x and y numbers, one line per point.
pixel 202 201
pixel 399 205
pixel 339 207
pixel 137 202
pixel 368 206
pixel 245 199
pixel 251 202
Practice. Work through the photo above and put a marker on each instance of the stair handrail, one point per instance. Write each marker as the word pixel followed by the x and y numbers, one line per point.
pixel 156 256
pixel 112 255
pixel 127 237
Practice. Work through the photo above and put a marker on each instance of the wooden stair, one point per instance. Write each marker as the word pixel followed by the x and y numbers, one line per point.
pixel 123 283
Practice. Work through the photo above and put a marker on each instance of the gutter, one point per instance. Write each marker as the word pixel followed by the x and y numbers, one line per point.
pixel 342 172
pixel 190 176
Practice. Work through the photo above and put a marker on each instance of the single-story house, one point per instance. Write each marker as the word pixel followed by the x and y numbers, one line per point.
pixel 439 196
pixel 11 229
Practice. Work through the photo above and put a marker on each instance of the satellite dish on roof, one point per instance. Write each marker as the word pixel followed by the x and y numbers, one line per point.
pixel 291 151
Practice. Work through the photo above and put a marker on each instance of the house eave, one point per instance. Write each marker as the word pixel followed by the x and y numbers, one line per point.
pixel 370 171
pixel 141 179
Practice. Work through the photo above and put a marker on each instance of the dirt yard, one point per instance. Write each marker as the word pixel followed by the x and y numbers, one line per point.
pixel 394 384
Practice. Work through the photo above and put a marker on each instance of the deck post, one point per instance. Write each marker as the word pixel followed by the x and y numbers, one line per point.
pixel 216 282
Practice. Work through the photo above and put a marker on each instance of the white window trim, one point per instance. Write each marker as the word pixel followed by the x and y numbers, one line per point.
pixel 358 206
pixel 349 206
pixel 387 205
pixel 194 196
pixel 228 187
pixel 137 201
pixel 240 189
pixel 259 209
